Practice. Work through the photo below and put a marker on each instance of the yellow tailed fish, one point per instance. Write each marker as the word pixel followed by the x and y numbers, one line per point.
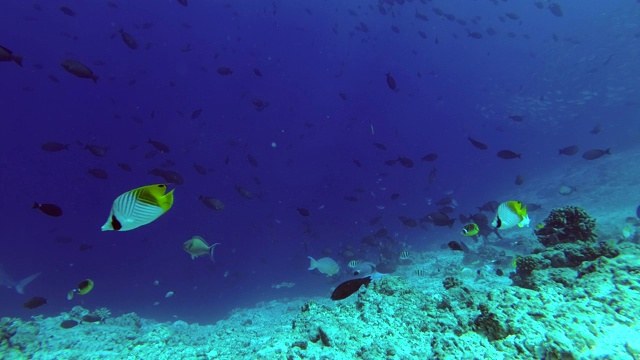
pixel 138 207
pixel 84 287
pixel 510 214
pixel 470 229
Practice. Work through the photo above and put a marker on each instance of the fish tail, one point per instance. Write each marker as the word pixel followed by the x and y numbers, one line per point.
pixel 17 59
pixel 313 264
pixel 94 78
pixel 211 249
pixel 608 151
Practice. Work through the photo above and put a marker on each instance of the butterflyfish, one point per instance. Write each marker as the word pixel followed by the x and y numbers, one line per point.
pixel 83 288
pixel 470 229
pixel 510 214
pixel 139 207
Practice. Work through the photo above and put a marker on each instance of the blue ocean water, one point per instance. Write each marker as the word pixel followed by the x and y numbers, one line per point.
pixel 323 69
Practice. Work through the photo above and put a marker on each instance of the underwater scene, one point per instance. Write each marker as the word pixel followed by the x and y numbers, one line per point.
pixel 365 179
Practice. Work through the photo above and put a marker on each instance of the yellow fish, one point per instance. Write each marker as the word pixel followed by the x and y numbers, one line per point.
pixel 510 214
pixel 470 229
pixel 138 207
pixel 84 287
pixel 197 246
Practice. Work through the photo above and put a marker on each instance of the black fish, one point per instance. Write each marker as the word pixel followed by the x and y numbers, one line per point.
pixel 34 302
pixel 508 155
pixel 638 212
pixel 499 272
pixel 430 157
pixel 394 196
pixel 303 211
pixel 68 324
pixel 439 219
pixel 516 118
pixel 569 150
pixel 380 233
pixel 519 179
pixel 196 113
pixel 223 70
pixel 91 318
pixel 596 129
pixel 391 82
pixel 163 148
pixel 211 203
pixel 257 72
pixel 595 154
pixel 85 247
pixel 349 287
pixel 456 246
pixel 79 69
pixel 8 55
pixel 252 160
pixel 49 209
pixel 54 146
pixel 183 2
pixel 556 9
pixel 200 169
pixel 357 162
pixel 405 161
pixel 125 167
pixel 407 221
pixel 474 34
pixel 169 176
pixel 128 39
pixel 99 151
pixel 490 206
pixel 447 200
pixel 67 11
pixel 244 192
pixel 380 146
pixel 98 173
pixel 260 104
pixel 477 144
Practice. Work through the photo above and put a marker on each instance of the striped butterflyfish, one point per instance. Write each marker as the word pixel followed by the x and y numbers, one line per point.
pixel 138 207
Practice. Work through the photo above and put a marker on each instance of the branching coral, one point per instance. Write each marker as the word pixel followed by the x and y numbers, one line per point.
pixel 567 225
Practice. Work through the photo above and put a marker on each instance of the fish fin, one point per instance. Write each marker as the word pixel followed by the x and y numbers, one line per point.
pixel 35 205
pixel 17 59
pixel 313 264
pixel 24 282
pixel 211 248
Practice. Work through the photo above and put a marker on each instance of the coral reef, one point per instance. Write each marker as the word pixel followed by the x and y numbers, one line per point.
pixel 487 323
pixel 451 282
pixel 585 312
pixel 567 225
pixel 569 239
